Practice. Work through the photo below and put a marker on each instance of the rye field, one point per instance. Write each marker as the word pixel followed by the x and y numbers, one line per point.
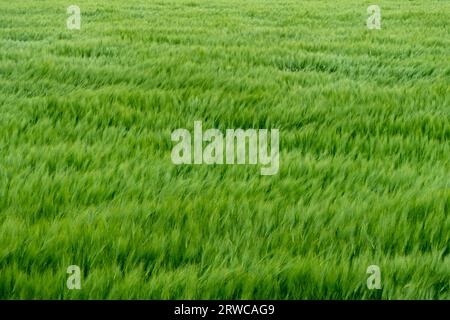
pixel 86 176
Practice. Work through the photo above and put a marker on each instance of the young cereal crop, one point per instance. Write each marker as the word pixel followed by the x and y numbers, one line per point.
pixel 86 171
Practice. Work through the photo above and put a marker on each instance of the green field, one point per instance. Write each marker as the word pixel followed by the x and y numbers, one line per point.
pixel 86 176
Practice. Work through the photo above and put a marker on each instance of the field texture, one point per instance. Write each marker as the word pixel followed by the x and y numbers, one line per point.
pixel 86 176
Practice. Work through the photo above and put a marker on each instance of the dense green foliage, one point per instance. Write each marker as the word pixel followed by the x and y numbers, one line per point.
pixel 86 176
